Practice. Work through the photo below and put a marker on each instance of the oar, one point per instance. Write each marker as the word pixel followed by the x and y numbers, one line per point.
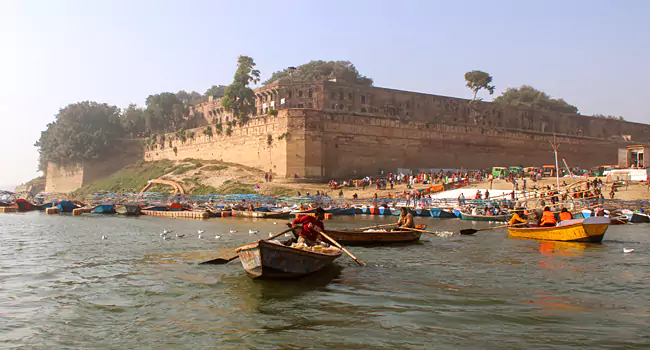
pixel 376 226
pixel 341 247
pixel 421 231
pixel 222 260
pixel 471 231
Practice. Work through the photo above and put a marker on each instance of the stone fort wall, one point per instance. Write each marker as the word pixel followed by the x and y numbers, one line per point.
pixel 247 145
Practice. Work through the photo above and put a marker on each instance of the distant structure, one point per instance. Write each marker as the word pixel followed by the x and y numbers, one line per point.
pixel 318 130
pixel 329 129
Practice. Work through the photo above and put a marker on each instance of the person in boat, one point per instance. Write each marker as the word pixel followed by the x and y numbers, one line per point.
pixel 516 219
pixel 405 219
pixel 565 215
pixel 251 208
pixel 311 227
pixel 548 218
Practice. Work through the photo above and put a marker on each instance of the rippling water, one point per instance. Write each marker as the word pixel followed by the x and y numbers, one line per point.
pixel 61 286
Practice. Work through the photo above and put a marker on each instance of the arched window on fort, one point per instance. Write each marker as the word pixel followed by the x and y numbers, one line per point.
pixel 300 93
pixel 340 95
pixel 310 93
pixel 363 99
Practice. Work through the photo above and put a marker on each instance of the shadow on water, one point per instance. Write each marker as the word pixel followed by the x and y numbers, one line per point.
pixel 289 289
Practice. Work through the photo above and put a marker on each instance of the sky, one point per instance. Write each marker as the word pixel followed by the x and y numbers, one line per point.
pixel 592 53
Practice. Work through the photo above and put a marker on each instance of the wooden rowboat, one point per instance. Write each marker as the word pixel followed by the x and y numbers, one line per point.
pixel 264 259
pixel 356 237
pixel 576 230
pixel 495 218
pixel 261 214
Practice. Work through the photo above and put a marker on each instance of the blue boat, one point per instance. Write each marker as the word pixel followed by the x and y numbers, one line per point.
pixel 384 211
pixel 365 210
pixel 341 211
pixel 441 214
pixel 105 208
pixel 66 206
pixel 42 207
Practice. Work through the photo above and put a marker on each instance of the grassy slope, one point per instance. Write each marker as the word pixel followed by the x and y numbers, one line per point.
pixel 189 173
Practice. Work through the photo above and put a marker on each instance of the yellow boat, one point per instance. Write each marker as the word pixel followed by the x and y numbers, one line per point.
pixel 591 229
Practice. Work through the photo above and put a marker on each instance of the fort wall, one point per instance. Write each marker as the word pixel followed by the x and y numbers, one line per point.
pixel 247 145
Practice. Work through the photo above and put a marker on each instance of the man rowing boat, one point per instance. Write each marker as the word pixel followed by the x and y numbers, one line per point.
pixel 311 226
pixel 405 219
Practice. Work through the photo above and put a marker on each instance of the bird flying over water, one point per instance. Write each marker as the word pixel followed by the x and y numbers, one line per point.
pixel 217 237
pixel 628 250
pixel 201 231
pixel 104 237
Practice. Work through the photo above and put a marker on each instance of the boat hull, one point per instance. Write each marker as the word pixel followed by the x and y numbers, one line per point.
pixel 577 230
pixel 359 238
pixel 495 218
pixel 104 209
pixel 441 213
pixel 639 218
pixel 273 261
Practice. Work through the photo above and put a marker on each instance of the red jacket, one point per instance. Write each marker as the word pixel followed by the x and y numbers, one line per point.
pixel 308 232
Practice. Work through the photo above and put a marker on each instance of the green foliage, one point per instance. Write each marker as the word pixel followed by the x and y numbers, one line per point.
pixel 82 131
pixel 282 192
pixel 229 131
pixel 528 96
pixel 215 168
pixel 182 169
pixel 203 189
pixel 320 70
pixel 239 98
pixel 235 187
pixel 608 117
pixel 170 143
pixel 216 91
pixel 208 131
pixel 283 136
pixel 477 81
pixel 175 149
pixel 191 135
pixel 269 140
pixel 273 112
pixel 133 119
pixel 219 128
pixel 130 179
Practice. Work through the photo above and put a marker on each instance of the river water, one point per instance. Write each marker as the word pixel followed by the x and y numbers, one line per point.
pixel 63 287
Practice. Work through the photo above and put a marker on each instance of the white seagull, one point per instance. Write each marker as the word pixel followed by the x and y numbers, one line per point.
pixel 628 250
pixel 165 232
pixel 275 223
pixel 200 231
pixel 165 238
pixel 180 236
pixel 200 235
pixel 233 231
pixel 252 232
pixel 217 237
pixel 104 237
pixel 288 234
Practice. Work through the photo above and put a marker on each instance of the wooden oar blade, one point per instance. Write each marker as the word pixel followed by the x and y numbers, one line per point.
pixel 468 231
pixel 219 261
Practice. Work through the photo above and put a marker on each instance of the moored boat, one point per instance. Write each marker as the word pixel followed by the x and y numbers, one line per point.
pixel 441 213
pixel 376 237
pixel 66 206
pixel 495 218
pixel 24 205
pixel 261 214
pixel 264 259
pixel 129 209
pixel 635 217
pixel 105 208
pixel 576 230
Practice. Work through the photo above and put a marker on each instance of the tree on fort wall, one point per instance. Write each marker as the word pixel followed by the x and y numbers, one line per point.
pixel 320 70
pixel 82 131
pixel 477 80
pixel 528 96
pixel 239 98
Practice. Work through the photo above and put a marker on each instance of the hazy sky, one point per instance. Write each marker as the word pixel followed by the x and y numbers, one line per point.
pixel 594 54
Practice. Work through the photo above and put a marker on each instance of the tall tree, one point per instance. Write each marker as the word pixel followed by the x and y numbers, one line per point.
pixel 82 131
pixel 478 80
pixel 530 97
pixel 238 97
pixel 319 70
pixel 165 112
pixel 133 119
pixel 216 91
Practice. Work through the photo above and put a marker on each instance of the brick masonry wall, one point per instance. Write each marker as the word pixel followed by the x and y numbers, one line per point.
pixel 248 145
